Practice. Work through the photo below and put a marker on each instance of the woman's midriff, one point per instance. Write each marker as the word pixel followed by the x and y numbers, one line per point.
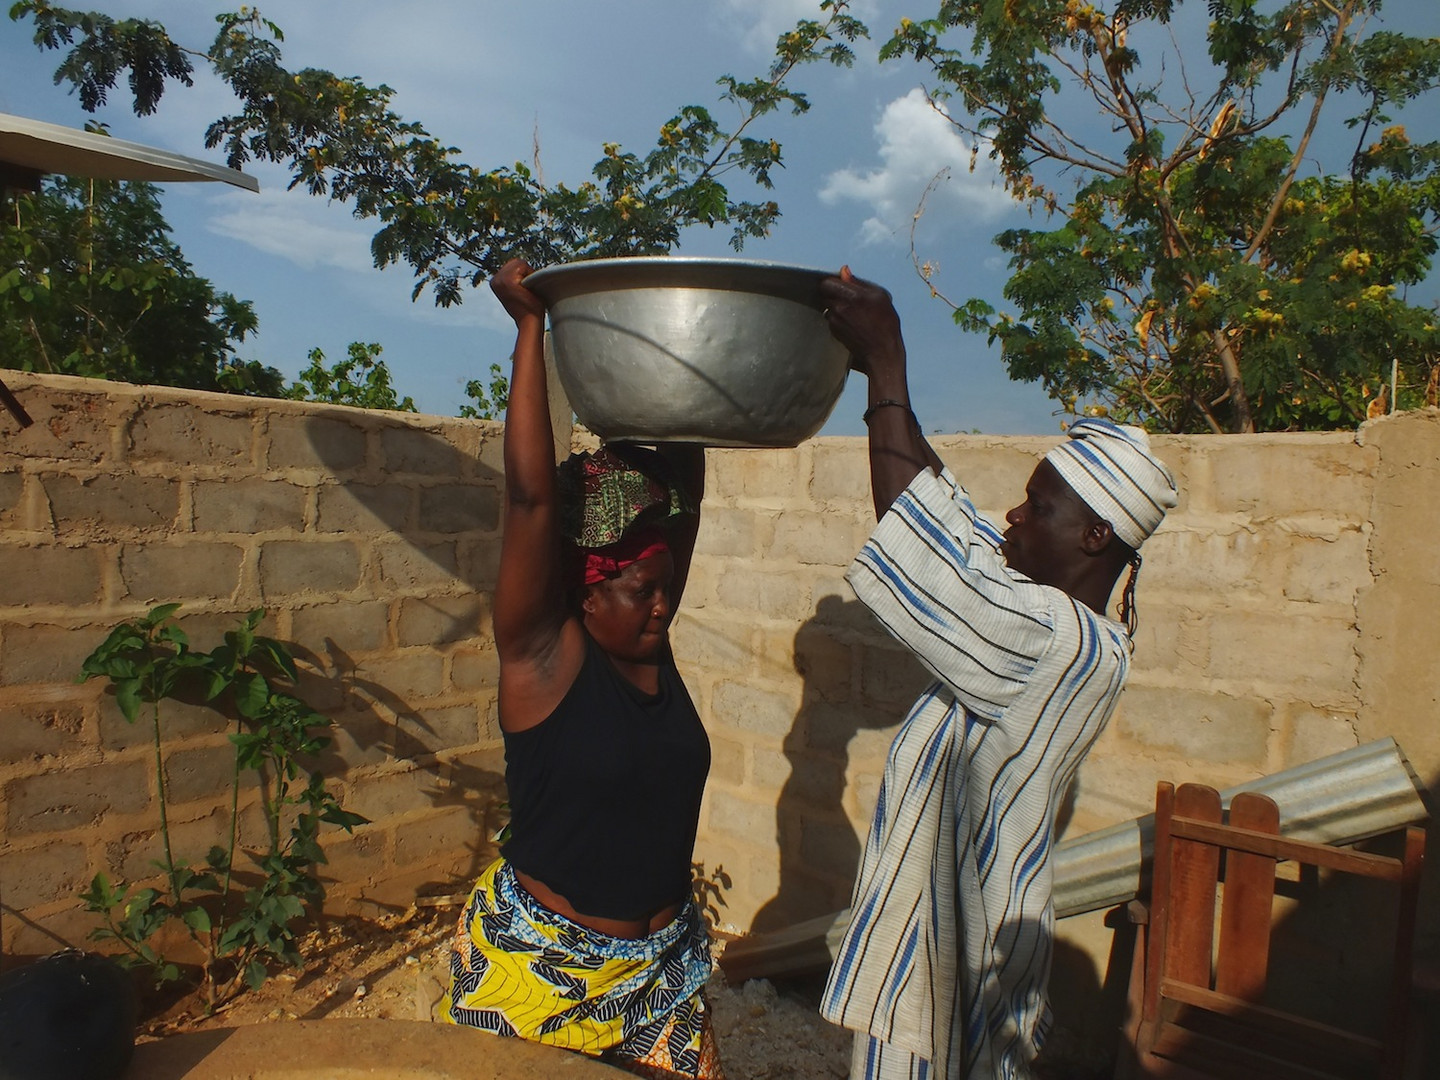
pixel 621 928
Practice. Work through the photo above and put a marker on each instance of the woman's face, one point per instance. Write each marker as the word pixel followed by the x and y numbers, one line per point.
pixel 628 614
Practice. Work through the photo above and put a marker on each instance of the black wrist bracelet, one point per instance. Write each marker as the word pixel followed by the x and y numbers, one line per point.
pixel 882 403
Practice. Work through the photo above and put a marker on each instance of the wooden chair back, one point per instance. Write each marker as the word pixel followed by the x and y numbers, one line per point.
pixel 1199 1011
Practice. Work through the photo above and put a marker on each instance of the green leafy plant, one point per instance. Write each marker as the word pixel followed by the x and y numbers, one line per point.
pixel 490 400
pixel 241 931
pixel 362 379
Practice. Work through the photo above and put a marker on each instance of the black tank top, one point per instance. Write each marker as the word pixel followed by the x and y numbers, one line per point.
pixel 605 792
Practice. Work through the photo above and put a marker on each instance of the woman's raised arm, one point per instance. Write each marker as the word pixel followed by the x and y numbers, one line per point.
pixel 529 596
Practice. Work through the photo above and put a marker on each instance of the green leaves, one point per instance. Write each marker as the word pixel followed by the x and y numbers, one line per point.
pixel 1202 276
pixel 149 660
pixel 452 223
pixel 93 285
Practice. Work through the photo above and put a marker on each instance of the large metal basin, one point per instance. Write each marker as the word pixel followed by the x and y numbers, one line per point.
pixel 725 352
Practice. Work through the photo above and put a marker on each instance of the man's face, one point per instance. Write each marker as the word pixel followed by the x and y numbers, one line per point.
pixel 1047 531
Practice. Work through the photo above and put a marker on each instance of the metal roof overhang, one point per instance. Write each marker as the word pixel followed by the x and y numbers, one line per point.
pixel 31 148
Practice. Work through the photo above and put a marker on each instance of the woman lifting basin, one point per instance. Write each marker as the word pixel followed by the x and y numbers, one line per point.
pixel 583 934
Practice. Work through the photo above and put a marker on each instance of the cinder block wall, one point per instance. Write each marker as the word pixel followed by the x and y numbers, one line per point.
pixel 1286 611
pixel 370 539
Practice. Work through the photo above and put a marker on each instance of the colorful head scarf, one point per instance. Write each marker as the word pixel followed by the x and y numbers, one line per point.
pixel 614 504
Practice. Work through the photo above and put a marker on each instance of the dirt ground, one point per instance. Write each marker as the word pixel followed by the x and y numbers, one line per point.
pixel 396 967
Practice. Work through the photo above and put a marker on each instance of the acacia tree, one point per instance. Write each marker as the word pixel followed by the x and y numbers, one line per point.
pixel 452 223
pixel 1206 275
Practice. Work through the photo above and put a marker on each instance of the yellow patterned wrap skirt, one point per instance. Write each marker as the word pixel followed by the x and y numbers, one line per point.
pixel 519 969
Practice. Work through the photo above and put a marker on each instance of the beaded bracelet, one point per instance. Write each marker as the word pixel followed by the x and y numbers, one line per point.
pixel 882 403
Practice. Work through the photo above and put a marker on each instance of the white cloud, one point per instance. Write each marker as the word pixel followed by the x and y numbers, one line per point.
pixel 917 144
pixel 761 22
pixel 297 227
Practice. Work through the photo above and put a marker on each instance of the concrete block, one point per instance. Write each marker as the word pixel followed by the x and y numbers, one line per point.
pixel 730 814
pixel 418 566
pixel 830 847
pixel 452 831
pixel 768 477
pixel 434 731
pixel 726 531
pixel 61 924
pixel 45 653
pixel 359 859
pixel 207 629
pixel 359 740
pixel 840 472
pixel 179 722
pixel 1277 475
pixel 1316 733
pixel 1171 637
pixel 994 473
pixel 1323 569
pixel 12 486
pixel 288 567
pixel 1314 651
pixel 1224 555
pixel 836 606
pixel 441 620
pixel 713 644
pixel 755 592
pixel 201 772
pixel 41 875
pixel 411 450
pixel 43 726
pixel 825 662
pixel 1197 724
pixel 71 425
pixel 745 708
pixel 831 728
pixel 479 561
pixel 364 508
pixel 816 539
pixel 798 779
pixel 457 508
pixel 46 575
pixel 74 798
pixel 891 677
pixel 388 795
pixel 109 503
pixel 247 506
pixel 313 442
pixel 347 626
pixel 475 669
pixel 192 433
pixel 133 857
pixel 727 760
pixel 178 570
pixel 403 678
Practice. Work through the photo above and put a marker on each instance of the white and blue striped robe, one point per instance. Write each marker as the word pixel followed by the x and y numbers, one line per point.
pixel 947 954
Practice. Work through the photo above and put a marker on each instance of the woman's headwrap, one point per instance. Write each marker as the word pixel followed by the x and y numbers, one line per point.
pixel 614 505
pixel 1111 468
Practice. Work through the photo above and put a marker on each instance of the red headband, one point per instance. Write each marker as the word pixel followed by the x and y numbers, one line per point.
pixel 612 559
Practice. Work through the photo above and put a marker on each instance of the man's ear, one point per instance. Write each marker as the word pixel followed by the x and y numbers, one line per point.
pixel 1097 537
pixel 587 599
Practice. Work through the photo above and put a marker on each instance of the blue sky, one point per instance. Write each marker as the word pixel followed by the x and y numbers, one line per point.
pixel 492 78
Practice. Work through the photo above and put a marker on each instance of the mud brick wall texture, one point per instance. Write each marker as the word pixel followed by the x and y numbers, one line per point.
pixel 1286 612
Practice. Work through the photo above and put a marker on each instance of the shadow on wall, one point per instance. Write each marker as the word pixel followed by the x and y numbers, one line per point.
pixel 414 684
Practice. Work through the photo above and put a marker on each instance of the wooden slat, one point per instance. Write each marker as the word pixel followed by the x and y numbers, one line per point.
pixel 1242 961
pixel 1324 1040
pixel 1194 873
pixel 1159 920
pixel 1194 828
pixel 1227 1059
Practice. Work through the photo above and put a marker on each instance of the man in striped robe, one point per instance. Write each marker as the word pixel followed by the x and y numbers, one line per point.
pixel 944 966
